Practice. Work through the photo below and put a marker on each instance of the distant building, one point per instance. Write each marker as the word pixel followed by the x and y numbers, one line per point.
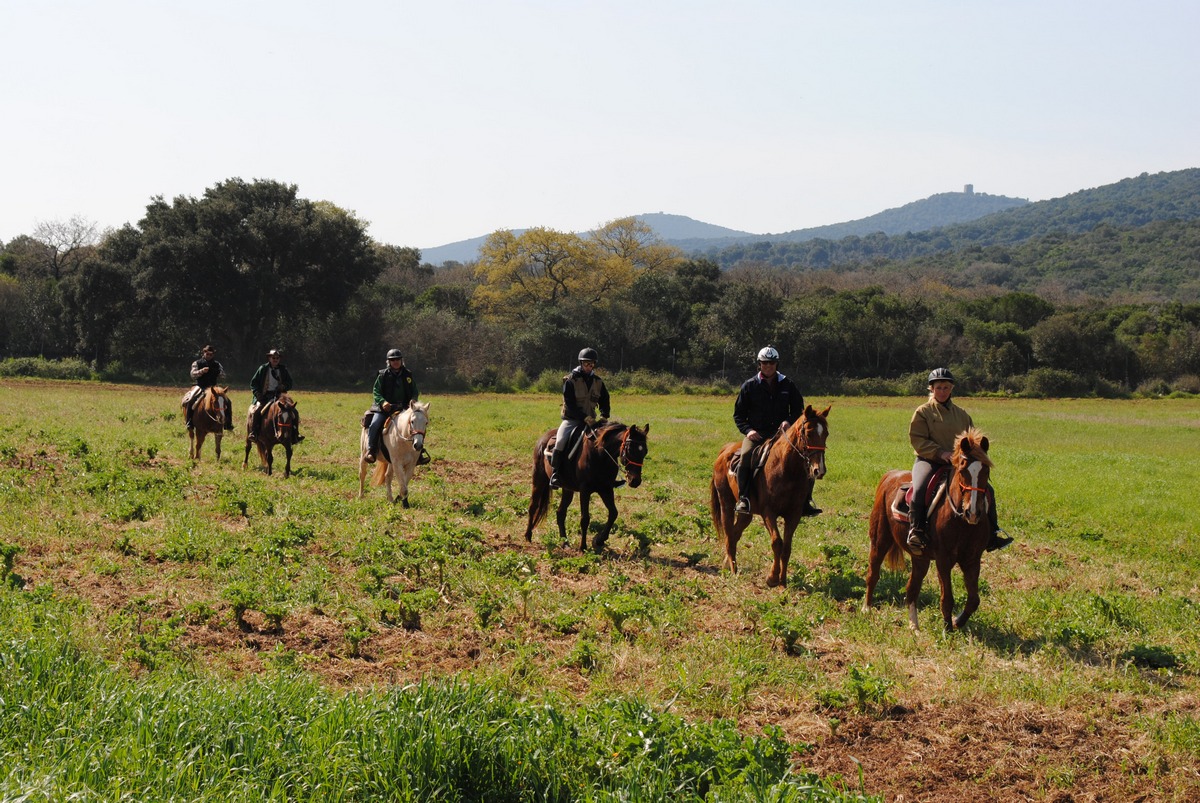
pixel 968 189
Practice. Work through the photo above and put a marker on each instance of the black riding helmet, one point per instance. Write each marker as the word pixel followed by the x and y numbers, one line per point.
pixel 589 355
pixel 940 375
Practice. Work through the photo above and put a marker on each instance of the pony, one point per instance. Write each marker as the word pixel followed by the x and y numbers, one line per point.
pixel 279 419
pixel 790 462
pixel 208 417
pixel 589 467
pixel 958 528
pixel 403 442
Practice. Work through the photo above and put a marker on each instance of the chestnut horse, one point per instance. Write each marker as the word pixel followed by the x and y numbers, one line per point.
pixel 208 417
pixel 279 420
pixel 958 529
pixel 604 451
pixel 794 460
pixel 403 442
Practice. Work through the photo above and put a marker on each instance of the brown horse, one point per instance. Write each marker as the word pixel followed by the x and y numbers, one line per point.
pixel 208 417
pixel 609 448
pixel 958 529
pixel 794 460
pixel 279 420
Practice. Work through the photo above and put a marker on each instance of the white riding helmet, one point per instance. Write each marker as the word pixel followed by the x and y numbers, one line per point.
pixel 768 354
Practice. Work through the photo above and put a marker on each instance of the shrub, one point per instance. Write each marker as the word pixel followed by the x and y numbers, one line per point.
pixel 1055 383
pixel 70 368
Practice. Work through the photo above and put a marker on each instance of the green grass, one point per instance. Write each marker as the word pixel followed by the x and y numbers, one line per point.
pixel 176 582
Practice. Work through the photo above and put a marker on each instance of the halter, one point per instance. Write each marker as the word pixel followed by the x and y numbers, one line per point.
pixel 804 449
pixel 413 431
pixel 623 452
pixel 967 491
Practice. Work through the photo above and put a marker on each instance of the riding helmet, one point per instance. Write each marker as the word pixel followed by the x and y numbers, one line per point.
pixel 395 354
pixel 941 375
pixel 588 354
pixel 274 353
pixel 768 354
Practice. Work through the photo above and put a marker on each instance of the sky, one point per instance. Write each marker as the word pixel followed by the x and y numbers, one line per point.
pixel 443 120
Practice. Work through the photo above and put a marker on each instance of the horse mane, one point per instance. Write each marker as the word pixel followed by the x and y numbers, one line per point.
pixel 969 444
pixel 208 399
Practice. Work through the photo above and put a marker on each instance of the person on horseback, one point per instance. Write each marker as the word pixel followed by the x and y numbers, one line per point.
pixel 932 430
pixel 270 380
pixel 584 394
pixel 768 402
pixel 394 390
pixel 206 372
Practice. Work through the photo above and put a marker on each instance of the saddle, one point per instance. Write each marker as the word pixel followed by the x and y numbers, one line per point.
pixel 424 458
pixel 758 455
pixel 935 492
pixel 575 443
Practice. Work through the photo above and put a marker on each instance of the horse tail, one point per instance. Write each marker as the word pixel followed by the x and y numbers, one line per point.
pixel 539 500
pixel 380 473
pixel 894 559
pixel 714 507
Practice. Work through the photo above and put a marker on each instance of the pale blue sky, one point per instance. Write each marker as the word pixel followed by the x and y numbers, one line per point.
pixel 442 120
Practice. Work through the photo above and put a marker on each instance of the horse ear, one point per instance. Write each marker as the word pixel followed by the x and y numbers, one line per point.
pixel 646 431
pixel 983 442
pixel 825 413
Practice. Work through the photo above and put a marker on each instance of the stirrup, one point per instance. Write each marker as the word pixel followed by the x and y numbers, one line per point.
pixel 916 540
pixel 999 540
pixel 370 456
pixel 554 480
pixel 743 506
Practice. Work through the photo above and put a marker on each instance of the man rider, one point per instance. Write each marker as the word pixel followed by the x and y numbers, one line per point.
pixel 767 402
pixel 583 394
pixel 394 390
pixel 270 380
pixel 206 372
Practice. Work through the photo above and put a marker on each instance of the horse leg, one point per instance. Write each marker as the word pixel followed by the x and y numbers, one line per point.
pixel 217 443
pixel 781 549
pixel 610 502
pixel 970 570
pixel 585 518
pixel 881 543
pixel 920 567
pixel 724 519
pixel 778 556
pixel 268 453
pixel 403 473
pixel 287 469
pixel 539 497
pixel 564 502
pixel 945 565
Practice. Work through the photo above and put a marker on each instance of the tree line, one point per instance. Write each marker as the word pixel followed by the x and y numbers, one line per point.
pixel 251 265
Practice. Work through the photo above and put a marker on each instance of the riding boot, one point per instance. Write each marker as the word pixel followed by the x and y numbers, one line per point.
pixel 918 542
pixel 228 416
pixel 809 508
pixel 555 462
pixel 745 480
pixel 999 540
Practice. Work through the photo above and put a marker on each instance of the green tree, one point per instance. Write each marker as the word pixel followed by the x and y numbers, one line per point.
pixel 244 262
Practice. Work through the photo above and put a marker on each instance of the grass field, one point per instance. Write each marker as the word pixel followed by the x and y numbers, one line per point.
pixel 1075 680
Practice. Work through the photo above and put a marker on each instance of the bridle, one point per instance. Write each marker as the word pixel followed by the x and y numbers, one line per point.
pixel 968 492
pixel 804 449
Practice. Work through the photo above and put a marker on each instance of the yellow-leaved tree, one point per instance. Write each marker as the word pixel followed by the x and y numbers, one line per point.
pixel 542 267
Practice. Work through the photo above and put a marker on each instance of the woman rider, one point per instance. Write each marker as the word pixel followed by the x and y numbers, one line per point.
pixel 932 430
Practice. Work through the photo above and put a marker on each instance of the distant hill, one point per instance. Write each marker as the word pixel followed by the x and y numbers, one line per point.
pixel 1128 204
pixel 692 235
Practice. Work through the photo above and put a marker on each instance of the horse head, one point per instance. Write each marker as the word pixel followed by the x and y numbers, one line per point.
pixel 418 422
pixel 808 435
pixel 632 453
pixel 972 468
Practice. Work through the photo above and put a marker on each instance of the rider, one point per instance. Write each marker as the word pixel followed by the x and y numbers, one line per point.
pixel 394 390
pixel 583 394
pixel 206 372
pixel 934 426
pixel 767 402
pixel 270 381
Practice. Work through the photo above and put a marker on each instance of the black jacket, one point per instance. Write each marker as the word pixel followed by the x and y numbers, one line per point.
pixel 763 406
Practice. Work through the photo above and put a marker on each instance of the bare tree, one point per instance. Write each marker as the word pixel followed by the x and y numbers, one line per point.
pixel 67 242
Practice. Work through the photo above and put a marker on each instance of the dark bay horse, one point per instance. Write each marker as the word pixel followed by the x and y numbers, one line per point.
pixel 795 459
pixel 208 417
pixel 605 451
pixel 958 529
pixel 279 420
pixel 403 442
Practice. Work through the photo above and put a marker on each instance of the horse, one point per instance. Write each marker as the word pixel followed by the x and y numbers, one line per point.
pixel 403 441
pixel 603 452
pixel 279 420
pixel 958 529
pixel 207 417
pixel 791 462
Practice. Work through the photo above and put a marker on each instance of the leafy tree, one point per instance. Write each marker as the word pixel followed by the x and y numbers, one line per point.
pixel 244 261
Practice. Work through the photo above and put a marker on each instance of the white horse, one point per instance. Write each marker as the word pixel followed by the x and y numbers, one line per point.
pixel 403 439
